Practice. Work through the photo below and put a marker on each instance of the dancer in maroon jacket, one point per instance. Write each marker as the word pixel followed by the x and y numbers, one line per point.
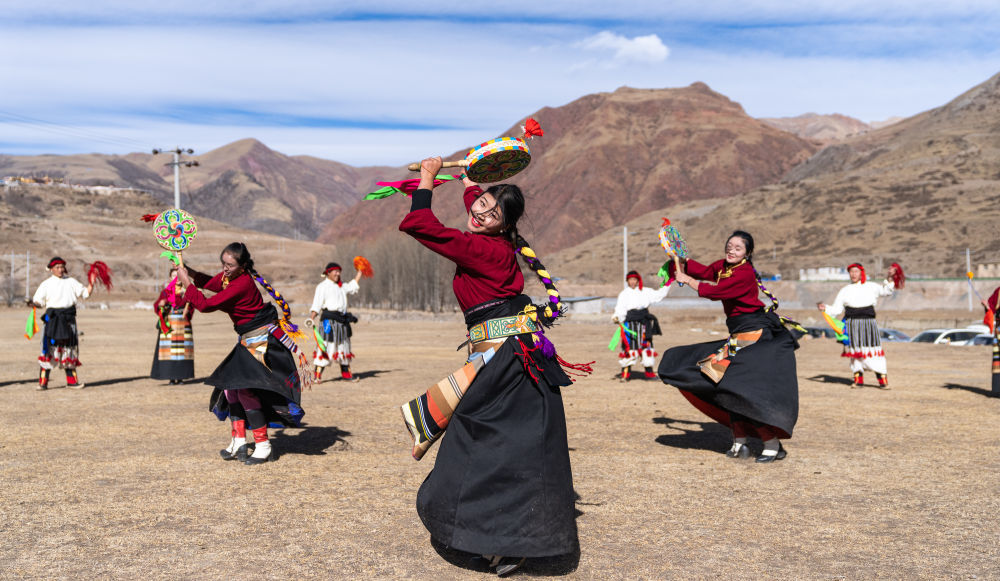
pixel 501 486
pixel 746 382
pixel 259 381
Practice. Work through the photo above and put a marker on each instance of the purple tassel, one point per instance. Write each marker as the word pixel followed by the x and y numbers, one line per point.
pixel 548 349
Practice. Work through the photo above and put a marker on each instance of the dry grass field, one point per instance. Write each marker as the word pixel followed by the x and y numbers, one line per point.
pixel 123 480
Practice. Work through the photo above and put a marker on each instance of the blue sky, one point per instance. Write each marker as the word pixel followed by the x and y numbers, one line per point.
pixel 391 82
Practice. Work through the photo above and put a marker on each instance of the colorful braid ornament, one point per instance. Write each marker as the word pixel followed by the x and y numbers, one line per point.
pixel 546 314
pixel 774 303
pixel 291 330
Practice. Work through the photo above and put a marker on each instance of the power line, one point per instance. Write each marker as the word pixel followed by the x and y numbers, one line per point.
pixel 58 128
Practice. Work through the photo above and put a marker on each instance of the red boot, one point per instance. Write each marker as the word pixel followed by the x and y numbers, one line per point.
pixel 262 447
pixel 859 379
pixel 237 449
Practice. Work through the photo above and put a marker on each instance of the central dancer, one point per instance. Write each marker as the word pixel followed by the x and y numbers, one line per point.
pixel 501 486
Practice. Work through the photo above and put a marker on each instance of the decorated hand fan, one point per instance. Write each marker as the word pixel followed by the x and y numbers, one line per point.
pixel 174 229
pixel 673 244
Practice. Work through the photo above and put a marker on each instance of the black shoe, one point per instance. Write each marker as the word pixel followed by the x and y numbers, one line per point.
pixel 779 456
pixel 508 565
pixel 743 453
pixel 241 454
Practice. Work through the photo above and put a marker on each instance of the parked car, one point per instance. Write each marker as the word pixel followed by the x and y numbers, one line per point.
pixel 818 332
pixel 982 339
pixel 893 335
pixel 945 336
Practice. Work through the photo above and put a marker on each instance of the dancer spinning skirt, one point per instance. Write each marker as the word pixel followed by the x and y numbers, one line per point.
pixel 501 486
pixel 58 295
pixel 746 382
pixel 857 302
pixel 638 325
pixel 173 356
pixel 259 382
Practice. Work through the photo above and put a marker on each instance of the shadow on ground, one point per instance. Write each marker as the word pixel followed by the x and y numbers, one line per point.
pixel 696 435
pixel 823 378
pixel 534 567
pixel 311 440
pixel 976 390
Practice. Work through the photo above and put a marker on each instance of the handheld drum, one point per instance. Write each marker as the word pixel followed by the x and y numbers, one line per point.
pixel 175 229
pixel 498 159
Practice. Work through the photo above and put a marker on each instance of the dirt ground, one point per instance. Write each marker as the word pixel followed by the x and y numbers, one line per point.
pixel 123 479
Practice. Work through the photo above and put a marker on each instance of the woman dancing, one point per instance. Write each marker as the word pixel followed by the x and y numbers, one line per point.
pixel 746 382
pixel 173 358
pixel 259 381
pixel 857 302
pixel 501 486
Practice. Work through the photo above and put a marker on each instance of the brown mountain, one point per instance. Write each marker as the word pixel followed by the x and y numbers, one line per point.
pixel 822 128
pixel 609 157
pixel 918 192
pixel 244 183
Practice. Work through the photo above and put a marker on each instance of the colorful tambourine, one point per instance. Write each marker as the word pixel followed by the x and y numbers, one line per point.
pixel 174 229
pixel 497 160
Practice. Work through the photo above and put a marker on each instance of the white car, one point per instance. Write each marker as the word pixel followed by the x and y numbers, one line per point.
pixel 946 336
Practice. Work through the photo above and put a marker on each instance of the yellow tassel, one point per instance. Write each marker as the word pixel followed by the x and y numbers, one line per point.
pixel 553 292
pixel 543 273
pixel 527 252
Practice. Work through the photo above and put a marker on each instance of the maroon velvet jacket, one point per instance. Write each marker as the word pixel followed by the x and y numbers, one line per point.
pixel 738 292
pixel 240 299
pixel 485 266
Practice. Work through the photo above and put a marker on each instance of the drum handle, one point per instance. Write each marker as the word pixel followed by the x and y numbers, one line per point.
pixel 459 163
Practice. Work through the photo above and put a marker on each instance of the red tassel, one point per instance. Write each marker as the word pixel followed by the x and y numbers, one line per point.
pixel 100 271
pixel 149 217
pixel 898 278
pixel 578 368
pixel 532 128
pixel 362 265
pixel 666 222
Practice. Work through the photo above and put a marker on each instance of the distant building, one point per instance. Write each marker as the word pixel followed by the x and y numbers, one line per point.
pixel 988 270
pixel 824 273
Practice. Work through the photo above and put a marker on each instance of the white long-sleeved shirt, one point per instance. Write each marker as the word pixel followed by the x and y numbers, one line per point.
pixel 859 294
pixel 634 298
pixel 331 297
pixel 59 293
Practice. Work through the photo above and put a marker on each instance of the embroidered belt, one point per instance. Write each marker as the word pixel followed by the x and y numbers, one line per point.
pixel 501 327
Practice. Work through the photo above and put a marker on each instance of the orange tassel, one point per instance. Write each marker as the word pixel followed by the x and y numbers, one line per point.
pixel 362 265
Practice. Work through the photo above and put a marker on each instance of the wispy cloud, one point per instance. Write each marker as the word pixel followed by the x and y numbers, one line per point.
pixel 390 82
pixel 641 49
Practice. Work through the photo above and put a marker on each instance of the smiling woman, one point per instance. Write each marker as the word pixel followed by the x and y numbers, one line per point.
pixel 502 486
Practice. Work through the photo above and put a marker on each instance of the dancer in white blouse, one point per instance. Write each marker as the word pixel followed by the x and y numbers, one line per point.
pixel 330 302
pixel 638 325
pixel 857 302
pixel 59 294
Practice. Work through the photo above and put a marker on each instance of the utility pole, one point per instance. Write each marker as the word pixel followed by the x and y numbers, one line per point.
pixel 177 163
pixel 625 254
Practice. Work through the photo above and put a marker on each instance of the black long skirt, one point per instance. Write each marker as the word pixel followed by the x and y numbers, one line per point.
pixel 759 384
pixel 502 483
pixel 276 382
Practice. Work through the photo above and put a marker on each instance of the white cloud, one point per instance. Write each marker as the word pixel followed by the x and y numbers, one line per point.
pixel 642 49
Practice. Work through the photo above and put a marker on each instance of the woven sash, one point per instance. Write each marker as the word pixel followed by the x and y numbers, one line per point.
pixel 427 415
pixel 501 327
pixel 714 366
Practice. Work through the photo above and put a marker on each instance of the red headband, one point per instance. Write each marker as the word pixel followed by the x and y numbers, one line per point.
pixel 331 268
pixel 634 274
pixel 56 261
pixel 859 267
